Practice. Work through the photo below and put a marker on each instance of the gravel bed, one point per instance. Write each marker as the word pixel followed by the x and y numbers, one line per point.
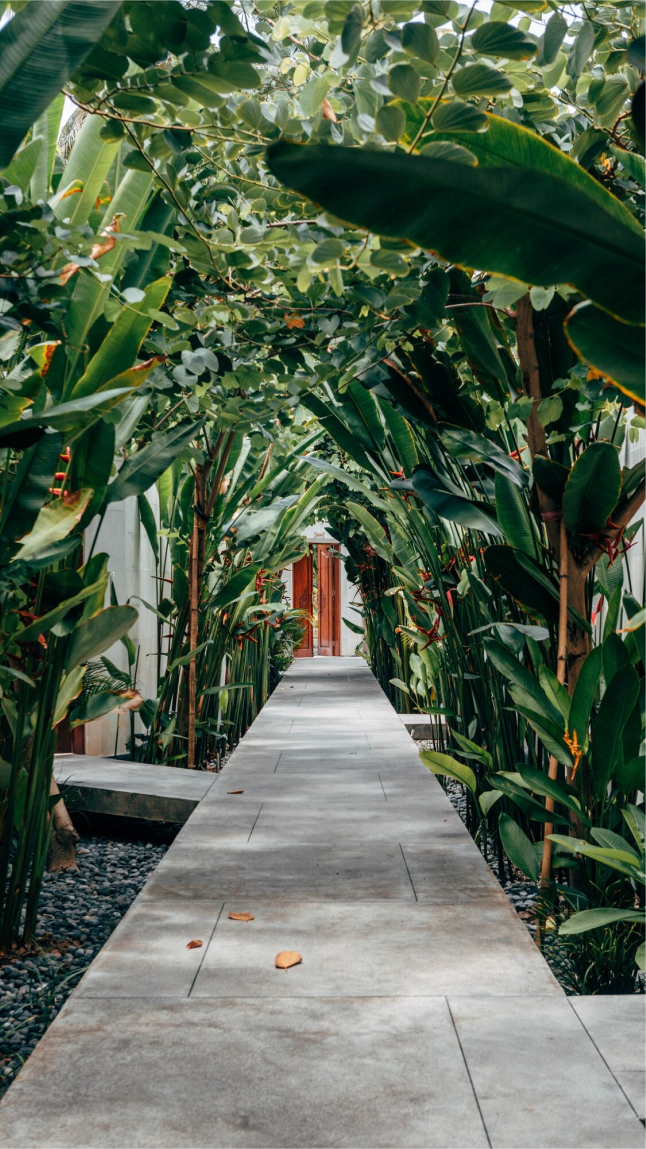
pixel 78 912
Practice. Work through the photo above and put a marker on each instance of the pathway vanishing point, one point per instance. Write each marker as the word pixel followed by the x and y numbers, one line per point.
pixel 421 1015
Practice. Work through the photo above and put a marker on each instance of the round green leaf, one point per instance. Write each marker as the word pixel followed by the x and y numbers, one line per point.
pixel 351 34
pixel 421 40
pixel 390 122
pixel 553 38
pixel 611 101
pixel 328 251
pixel 336 14
pixel 500 39
pixel 445 150
pixel 405 82
pixel 480 80
pixel 458 117
pixel 637 53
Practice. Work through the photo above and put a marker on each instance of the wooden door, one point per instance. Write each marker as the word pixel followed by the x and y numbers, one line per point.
pixel 302 588
pixel 329 600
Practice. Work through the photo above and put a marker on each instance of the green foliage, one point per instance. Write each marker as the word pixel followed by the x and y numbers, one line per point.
pixel 473 216
pixel 174 314
pixel 41 48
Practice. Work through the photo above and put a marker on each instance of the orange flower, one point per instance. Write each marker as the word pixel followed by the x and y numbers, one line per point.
pixel 575 750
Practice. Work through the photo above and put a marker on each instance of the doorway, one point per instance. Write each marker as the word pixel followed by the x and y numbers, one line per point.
pixel 315 588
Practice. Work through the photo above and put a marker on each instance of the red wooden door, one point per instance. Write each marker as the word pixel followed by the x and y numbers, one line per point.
pixel 329 602
pixel 302 587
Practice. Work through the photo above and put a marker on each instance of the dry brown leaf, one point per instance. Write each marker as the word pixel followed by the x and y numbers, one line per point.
pixel 287 958
pixel 235 791
pixel 328 111
pixel 241 917
pixel 98 249
pixel 132 700
pixel 195 944
pixel 294 320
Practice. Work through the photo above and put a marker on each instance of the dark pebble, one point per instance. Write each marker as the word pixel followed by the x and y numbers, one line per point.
pixel 76 917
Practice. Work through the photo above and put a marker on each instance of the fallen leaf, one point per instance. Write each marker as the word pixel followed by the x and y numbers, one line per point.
pixel 235 791
pixel 195 944
pixel 241 917
pixel 287 958
pixel 328 111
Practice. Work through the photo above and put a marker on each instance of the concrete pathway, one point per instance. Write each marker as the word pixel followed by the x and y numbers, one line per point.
pixel 422 1014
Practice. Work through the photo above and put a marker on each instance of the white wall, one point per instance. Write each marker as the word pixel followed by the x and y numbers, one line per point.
pixel 132 567
pixel 630 455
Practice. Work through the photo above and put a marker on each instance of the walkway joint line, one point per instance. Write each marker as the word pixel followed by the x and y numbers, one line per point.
pixel 466 1066
pixel 407 870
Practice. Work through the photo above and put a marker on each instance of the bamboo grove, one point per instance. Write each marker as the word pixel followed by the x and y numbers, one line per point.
pixel 376 262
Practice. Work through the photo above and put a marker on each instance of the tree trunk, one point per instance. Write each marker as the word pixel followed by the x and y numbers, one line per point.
pixel 578 640
pixel 62 843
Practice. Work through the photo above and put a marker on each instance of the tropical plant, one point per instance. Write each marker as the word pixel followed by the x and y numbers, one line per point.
pixel 177 312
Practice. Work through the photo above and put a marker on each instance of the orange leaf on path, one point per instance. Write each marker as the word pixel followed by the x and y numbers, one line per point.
pixel 241 917
pixel 235 791
pixel 195 944
pixel 287 958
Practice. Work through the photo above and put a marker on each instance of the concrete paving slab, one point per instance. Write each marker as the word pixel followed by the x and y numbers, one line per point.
pixel 361 1073
pixel 445 873
pixel 130 789
pixel 379 822
pixel 283 870
pixel 617 1026
pixel 87 769
pixel 292 788
pixel 149 955
pixel 539 1079
pixel 381 949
